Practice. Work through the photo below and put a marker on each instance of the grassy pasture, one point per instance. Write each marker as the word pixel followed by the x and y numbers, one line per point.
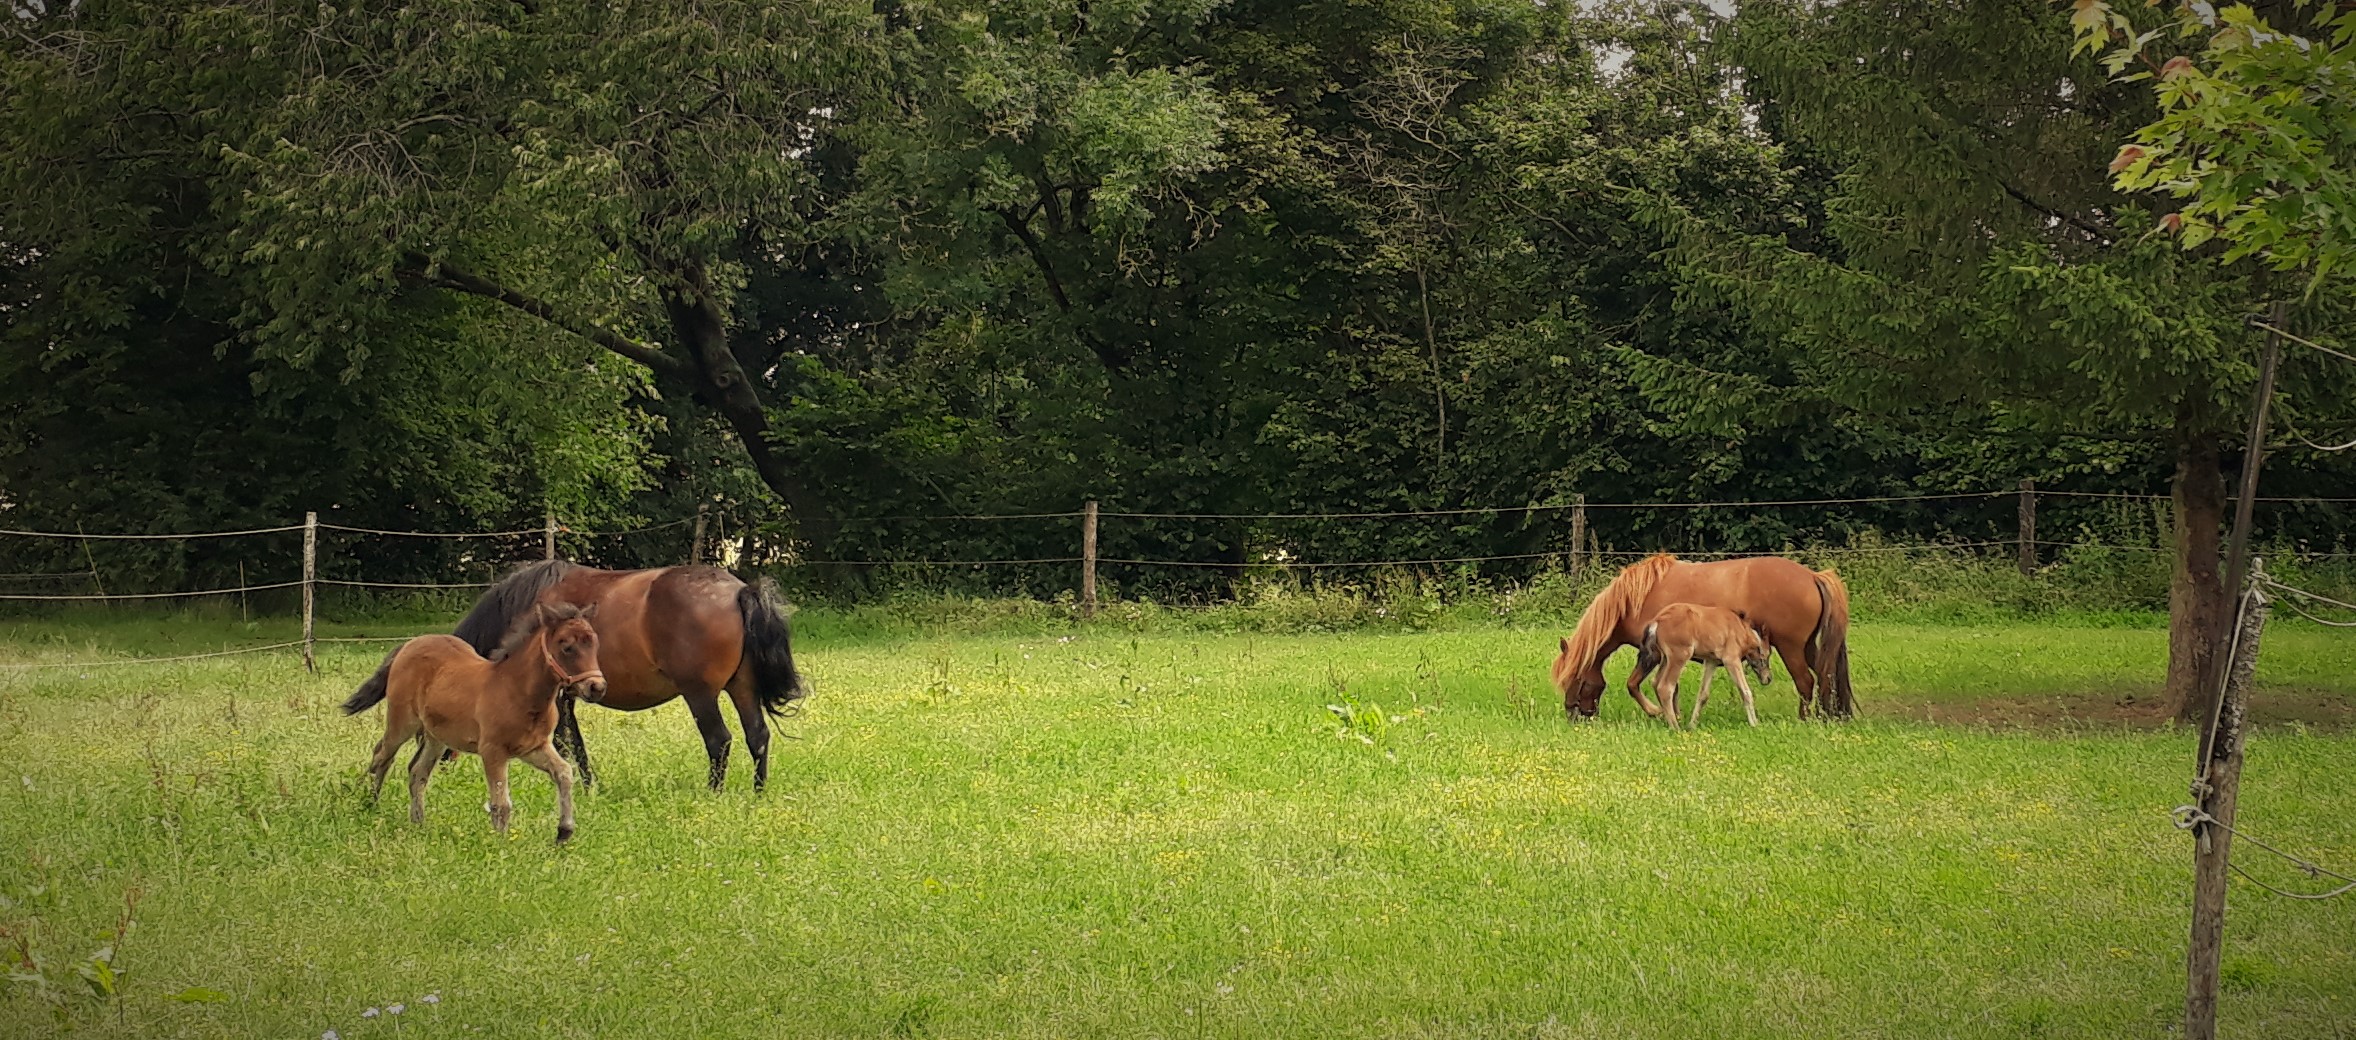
pixel 1122 833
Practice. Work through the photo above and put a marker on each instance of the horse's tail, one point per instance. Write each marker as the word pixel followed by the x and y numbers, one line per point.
pixel 1648 657
pixel 373 690
pixel 768 648
pixel 495 611
pixel 1832 648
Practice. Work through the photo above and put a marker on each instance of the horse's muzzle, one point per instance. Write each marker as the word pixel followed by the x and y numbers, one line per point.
pixel 591 689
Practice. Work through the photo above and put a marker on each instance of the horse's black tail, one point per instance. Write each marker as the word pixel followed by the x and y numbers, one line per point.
pixel 373 690
pixel 768 648
pixel 495 611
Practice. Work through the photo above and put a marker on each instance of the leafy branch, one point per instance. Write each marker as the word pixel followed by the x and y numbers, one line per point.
pixel 2257 127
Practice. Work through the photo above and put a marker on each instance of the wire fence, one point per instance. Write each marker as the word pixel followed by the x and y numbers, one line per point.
pixel 1583 550
pixel 2193 817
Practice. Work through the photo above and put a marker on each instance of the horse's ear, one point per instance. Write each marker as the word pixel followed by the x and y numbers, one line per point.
pixel 1566 644
pixel 540 610
pixel 588 612
pixel 1738 612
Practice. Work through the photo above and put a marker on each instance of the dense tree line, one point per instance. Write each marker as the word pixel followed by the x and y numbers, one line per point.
pixel 815 264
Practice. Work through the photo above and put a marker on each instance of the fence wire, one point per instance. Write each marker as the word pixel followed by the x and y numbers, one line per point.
pixel 2190 816
pixel 110 662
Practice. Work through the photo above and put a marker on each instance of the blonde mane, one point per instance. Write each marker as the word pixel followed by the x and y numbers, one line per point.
pixel 1623 596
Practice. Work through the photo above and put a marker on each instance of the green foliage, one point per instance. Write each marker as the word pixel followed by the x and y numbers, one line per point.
pixel 823 269
pixel 2256 129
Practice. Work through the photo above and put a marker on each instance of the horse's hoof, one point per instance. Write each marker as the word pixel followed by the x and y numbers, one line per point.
pixel 564 834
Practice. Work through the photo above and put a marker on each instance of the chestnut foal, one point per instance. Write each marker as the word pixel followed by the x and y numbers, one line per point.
pixel 439 691
pixel 1715 636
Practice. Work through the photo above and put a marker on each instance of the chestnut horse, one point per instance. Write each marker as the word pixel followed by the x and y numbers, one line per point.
pixel 1805 614
pixel 685 632
pixel 439 691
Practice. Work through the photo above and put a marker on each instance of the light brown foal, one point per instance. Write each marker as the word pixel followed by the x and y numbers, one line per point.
pixel 438 691
pixel 1715 636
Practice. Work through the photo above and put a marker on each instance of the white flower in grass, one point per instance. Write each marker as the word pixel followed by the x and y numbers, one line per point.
pixel 331 1035
pixel 396 1009
pixel 430 998
pixel 370 1013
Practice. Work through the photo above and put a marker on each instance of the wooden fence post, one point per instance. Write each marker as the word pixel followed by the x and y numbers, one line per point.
pixel 2216 779
pixel 310 579
pixel 1578 532
pixel 548 539
pixel 2028 526
pixel 1088 559
pixel 695 549
pixel 2216 785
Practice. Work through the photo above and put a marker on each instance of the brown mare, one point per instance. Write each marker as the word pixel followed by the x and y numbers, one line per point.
pixel 1805 614
pixel 1714 636
pixel 437 690
pixel 686 632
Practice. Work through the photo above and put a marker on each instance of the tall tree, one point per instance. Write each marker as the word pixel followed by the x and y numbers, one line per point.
pixel 134 394
pixel 612 170
pixel 1974 261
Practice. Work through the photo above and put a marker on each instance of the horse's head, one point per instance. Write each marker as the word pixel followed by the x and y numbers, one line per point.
pixel 1754 651
pixel 1579 682
pixel 569 644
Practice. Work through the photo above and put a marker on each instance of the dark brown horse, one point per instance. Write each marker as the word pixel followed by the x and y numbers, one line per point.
pixel 686 632
pixel 1805 614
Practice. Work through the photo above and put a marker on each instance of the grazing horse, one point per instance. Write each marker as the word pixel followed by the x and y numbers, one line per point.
pixel 437 690
pixel 1805 614
pixel 686 632
pixel 1715 636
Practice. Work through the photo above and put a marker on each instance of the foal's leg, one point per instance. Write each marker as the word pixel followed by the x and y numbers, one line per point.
pixel 380 761
pixel 1709 672
pixel 1636 686
pixel 545 759
pixel 1743 683
pixel 756 730
pixel 421 769
pixel 1665 687
pixel 705 706
pixel 495 778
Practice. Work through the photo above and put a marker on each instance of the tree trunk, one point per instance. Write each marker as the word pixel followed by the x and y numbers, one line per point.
pixel 2197 603
pixel 723 383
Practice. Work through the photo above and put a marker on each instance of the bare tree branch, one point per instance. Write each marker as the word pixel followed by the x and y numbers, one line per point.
pixel 444 276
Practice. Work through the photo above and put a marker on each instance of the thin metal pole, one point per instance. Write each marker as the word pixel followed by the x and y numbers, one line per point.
pixel 1088 559
pixel 310 586
pixel 2253 453
pixel 695 551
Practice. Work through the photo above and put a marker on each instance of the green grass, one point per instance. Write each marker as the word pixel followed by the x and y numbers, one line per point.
pixel 1096 831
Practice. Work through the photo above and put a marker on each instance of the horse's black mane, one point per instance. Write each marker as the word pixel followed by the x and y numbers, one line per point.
pixel 503 616
pixel 530 624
